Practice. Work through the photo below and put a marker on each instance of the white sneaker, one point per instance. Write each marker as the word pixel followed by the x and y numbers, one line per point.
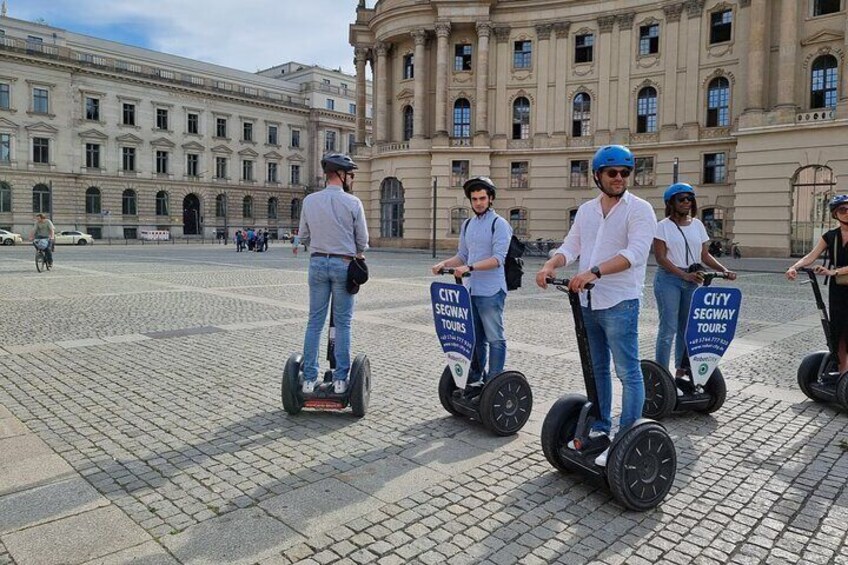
pixel 309 386
pixel 340 387
pixel 601 460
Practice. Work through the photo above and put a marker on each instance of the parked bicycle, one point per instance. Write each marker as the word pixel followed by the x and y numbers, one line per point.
pixel 539 247
pixel 41 260
pixel 719 247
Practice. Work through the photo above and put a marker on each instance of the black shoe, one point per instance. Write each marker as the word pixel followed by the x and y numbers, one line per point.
pixel 474 389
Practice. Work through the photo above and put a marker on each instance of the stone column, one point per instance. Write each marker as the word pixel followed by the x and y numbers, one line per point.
pixel 443 30
pixel 603 57
pixel 788 54
pixel 374 118
pixel 419 37
pixel 482 122
pixel 695 12
pixel 672 42
pixel 382 80
pixel 625 56
pixel 842 108
pixel 360 58
pixel 502 123
pixel 543 34
pixel 562 106
pixel 757 51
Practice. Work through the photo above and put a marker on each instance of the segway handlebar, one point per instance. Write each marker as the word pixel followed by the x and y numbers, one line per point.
pixel 451 271
pixel 562 284
pixel 709 277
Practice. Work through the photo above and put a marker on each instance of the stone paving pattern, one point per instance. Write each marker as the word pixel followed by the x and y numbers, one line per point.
pixel 142 387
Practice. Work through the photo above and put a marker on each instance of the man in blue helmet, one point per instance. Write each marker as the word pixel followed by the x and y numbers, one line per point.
pixel 333 221
pixel 611 236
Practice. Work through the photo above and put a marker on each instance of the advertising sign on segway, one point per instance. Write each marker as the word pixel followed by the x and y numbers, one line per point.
pixel 713 316
pixel 454 327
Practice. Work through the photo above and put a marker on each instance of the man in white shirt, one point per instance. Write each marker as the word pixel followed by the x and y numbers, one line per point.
pixel 612 235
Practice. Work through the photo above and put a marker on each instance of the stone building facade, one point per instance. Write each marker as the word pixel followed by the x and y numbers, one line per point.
pixel 116 140
pixel 747 99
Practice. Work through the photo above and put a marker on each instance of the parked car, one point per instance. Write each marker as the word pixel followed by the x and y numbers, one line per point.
pixel 73 238
pixel 9 238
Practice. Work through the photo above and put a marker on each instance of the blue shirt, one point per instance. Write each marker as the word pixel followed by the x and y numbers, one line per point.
pixel 333 221
pixel 478 243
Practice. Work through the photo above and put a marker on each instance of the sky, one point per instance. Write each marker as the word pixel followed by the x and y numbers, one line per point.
pixel 243 34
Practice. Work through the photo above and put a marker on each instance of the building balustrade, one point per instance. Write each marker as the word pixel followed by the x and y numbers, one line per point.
pixel 389 147
pixel 823 115
pixel 460 142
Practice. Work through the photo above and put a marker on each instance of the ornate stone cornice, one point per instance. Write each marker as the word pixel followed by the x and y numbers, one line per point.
pixel 561 29
pixel 502 33
pixel 625 21
pixel 606 23
pixel 381 48
pixel 443 29
pixel 694 8
pixel 484 29
pixel 419 36
pixel 672 12
pixel 543 31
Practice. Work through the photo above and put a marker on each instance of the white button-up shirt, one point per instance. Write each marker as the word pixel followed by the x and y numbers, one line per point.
pixel 628 230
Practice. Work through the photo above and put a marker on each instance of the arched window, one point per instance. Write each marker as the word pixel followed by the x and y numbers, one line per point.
pixel 391 208
pixel 221 206
pixel 646 110
pixel 518 221
pixel 824 80
pixel 572 215
pixel 40 199
pixel 581 114
pixel 812 187
pixel 462 118
pixel 162 203
pixel 247 207
pixel 718 103
pixel 272 208
pixel 713 218
pixel 408 121
pixel 128 203
pixel 457 218
pixel 521 118
pixel 92 200
pixel 295 209
pixel 5 197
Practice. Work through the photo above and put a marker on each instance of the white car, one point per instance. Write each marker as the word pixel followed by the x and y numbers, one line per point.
pixel 9 238
pixel 73 238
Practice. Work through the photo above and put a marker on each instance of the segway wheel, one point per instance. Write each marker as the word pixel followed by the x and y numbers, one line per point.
pixel 446 388
pixel 842 391
pixel 717 389
pixel 808 373
pixel 559 428
pixel 505 403
pixel 660 391
pixel 292 398
pixel 360 383
pixel 641 466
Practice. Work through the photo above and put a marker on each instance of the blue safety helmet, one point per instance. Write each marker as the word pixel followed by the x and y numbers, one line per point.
pixel 836 202
pixel 612 156
pixel 677 188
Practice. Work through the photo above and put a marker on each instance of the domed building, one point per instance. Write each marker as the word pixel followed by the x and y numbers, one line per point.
pixel 746 99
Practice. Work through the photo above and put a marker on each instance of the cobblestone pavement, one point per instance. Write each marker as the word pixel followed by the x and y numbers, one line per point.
pixel 140 421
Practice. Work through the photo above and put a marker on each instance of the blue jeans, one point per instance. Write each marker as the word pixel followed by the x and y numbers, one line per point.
pixel 328 276
pixel 674 295
pixel 488 312
pixel 616 330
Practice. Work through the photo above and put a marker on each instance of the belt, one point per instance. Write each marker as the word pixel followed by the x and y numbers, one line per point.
pixel 329 255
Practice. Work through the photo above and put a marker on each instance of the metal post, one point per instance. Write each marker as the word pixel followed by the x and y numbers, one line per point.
pixel 676 170
pixel 50 197
pixel 435 213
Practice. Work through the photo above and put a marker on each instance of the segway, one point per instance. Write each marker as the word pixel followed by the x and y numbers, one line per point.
pixel 818 374
pixel 704 392
pixel 503 404
pixel 323 397
pixel 642 461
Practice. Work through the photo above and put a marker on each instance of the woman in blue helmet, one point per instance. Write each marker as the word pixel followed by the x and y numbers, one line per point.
pixel 681 245
pixel 834 243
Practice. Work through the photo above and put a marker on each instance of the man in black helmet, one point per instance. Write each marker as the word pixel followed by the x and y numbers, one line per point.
pixel 483 245
pixel 333 221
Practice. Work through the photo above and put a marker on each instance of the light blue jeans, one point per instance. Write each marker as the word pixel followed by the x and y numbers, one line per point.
pixel 328 276
pixel 616 330
pixel 674 296
pixel 488 312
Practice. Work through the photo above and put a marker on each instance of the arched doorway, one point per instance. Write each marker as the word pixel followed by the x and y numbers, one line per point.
pixel 391 208
pixel 812 187
pixel 192 220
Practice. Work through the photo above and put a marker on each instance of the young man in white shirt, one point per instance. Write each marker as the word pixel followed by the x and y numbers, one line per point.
pixel 611 235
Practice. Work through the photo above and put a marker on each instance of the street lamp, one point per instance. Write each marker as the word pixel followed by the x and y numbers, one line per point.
pixel 435 212
pixel 676 170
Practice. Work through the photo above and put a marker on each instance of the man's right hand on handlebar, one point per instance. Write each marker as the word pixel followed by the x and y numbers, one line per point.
pixel 544 274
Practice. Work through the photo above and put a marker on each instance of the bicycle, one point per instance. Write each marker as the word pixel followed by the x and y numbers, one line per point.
pixel 41 263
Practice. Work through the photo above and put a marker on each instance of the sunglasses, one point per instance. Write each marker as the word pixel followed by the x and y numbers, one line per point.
pixel 612 173
pixel 842 210
pixel 684 198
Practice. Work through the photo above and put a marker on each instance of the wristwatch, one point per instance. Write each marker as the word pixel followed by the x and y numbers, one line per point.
pixel 596 271
pixel 470 268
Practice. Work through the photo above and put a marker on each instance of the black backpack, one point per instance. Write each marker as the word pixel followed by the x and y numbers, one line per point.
pixel 513 264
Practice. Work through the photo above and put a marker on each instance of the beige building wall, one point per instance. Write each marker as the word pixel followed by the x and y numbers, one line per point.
pixel 773 126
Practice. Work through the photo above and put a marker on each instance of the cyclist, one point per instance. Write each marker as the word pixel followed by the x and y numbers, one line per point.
pixel 43 229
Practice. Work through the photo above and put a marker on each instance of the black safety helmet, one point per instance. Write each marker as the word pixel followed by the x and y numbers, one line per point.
pixel 477 183
pixel 333 162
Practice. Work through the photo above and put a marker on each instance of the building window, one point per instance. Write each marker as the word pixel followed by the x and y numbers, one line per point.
pixel 721 26
pixel 92 156
pixel 128 115
pixel 221 206
pixel 221 127
pixel 5 148
pixel 295 138
pixel 92 109
pixel 161 162
pixel 457 218
pixel 273 138
pixel 522 54
pixel 5 96
pixel 408 66
pixel 351 143
pixel 824 80
pixel 824 7
pixel 193 125
pixel 644 173
pixel 330 141
pixel 247 207
pixel 247 170
pixel 518 221
pixel 462 118
pixel 294 209
pixel 41 150
pixel 718 103
pixel 40 101
pixel 649 39
pixel 128 158
pixel 351 108
pixel 161 203
pixel 713 219
pixel 521 118
pixel 580 173
pixel 128 205
pixel 220 167
pixel 715 168
pixel 192 161
pixel 408 122
pixel 391 208
pixel 273 206
pixel 295 174
pixel 518 174
pixel 40 199
pixel 161 118
pixel 583 45
pixel 331 104
pixel 462 57
pixel 5 198
pixel 272 173
pixel 646 110
pixel 459 172
pixel 581 114
pixel 92 200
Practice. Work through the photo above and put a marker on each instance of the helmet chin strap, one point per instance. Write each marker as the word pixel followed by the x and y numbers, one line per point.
pixel 600 185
